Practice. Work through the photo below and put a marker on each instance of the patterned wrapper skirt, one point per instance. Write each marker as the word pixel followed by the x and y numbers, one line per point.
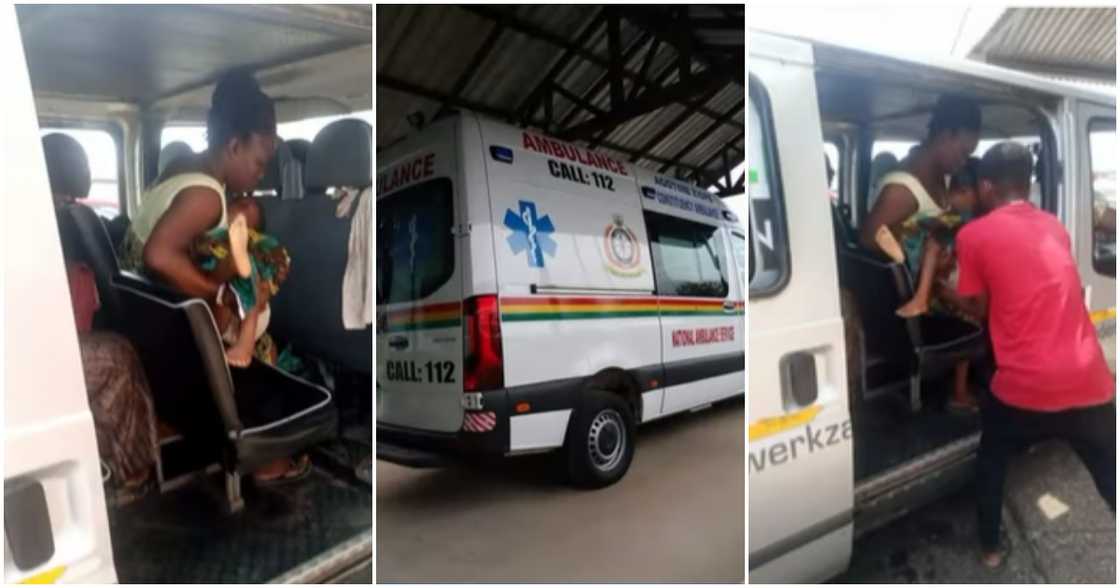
pixel 121 403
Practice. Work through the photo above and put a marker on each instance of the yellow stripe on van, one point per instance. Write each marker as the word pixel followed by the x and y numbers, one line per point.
pixel 48 577
pixel 1099 316
pixel 774 425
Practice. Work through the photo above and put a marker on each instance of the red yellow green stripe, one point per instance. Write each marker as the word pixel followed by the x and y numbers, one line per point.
pixel 432 316
pixel 543 308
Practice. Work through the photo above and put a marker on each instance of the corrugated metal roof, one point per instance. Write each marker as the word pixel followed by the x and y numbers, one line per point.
pixel 429 50
pixel 1077 43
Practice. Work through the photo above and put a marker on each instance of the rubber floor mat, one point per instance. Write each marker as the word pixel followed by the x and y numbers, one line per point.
pixel 185 536
pixel 887 435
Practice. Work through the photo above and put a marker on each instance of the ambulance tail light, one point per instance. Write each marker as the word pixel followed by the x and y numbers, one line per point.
pixel 482 344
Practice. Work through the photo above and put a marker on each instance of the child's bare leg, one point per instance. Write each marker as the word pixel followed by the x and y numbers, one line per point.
pixel 919 304
pixel 961 395
pixel 240 354
pixel 239 246
pixel 884 238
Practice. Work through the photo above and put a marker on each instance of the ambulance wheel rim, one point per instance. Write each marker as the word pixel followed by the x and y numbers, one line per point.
pixel 606 440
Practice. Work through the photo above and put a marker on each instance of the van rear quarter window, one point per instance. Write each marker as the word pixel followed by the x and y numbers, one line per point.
pixel 688 257
pixel 415 245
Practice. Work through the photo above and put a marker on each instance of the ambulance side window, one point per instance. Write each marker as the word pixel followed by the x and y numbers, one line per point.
pixel 415 247
pixel 688 257
pixel 769 249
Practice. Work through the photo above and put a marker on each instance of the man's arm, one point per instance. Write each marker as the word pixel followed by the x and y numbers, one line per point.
pixel 972 286
pixel 974 306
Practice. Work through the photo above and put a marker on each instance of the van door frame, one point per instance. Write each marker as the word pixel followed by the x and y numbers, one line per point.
pixel 1100 296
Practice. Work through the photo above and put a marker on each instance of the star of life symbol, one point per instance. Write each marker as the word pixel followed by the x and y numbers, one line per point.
pixel 530 233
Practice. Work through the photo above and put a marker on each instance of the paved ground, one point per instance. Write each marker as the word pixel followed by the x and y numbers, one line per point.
pixel 678 515
pixel 938 543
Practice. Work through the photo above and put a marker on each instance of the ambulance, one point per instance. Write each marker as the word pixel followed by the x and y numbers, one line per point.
pixel 533 295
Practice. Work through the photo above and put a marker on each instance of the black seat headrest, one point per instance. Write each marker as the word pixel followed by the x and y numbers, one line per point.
pixel 172 151
pixel 299 149
pixel 341 155
pixel 272 179
pixel 67 166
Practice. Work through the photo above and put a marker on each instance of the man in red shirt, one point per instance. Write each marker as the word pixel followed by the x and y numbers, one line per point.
pixel 1051 381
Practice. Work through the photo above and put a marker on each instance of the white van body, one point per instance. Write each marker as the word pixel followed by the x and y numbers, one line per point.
pixel 555 241
pixel 807 499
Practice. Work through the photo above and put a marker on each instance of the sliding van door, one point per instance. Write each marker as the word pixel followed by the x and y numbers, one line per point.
pixel 800 450
pixel 1093 193
pixel 56 527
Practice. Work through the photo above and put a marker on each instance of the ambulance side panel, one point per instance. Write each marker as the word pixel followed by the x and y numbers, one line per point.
pixel 702 336
pixel 574 277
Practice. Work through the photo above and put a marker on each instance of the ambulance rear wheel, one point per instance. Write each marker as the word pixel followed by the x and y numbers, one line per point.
pixel 600 440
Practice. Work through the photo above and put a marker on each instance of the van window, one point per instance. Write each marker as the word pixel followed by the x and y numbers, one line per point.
pixel 688 257
pixel 832 154
pixel 101 151
pixel 415 247
pixel 738 249
pixel 195 135
pixel 1102 167
pixel 769 252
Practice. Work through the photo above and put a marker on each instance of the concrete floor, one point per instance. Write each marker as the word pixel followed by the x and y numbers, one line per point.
pixel 938 543
pixel 677 516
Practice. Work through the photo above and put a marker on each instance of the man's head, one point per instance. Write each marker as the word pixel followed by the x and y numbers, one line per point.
pixel 1005 175
pixel 954 131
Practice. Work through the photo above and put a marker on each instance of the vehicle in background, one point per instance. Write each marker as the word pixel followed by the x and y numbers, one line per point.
pixel 533 295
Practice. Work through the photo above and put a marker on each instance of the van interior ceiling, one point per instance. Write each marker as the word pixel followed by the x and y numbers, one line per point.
pixel 132 70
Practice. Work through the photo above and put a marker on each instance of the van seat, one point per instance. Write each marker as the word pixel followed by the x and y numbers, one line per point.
pixel 925 347
pixel 284 174
pixel 308 309
pixel 241 418
pixel 85 239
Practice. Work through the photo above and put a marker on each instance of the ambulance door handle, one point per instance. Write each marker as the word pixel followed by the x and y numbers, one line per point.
pixel 398 342
pixel 728 305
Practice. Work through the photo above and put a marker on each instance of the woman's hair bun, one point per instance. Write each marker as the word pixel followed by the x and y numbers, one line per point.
pixel 233 87
pixel 238 107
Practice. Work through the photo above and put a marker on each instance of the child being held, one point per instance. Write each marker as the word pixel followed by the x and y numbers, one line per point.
pixel 938 234
pixel 251 266
pixel 938 261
